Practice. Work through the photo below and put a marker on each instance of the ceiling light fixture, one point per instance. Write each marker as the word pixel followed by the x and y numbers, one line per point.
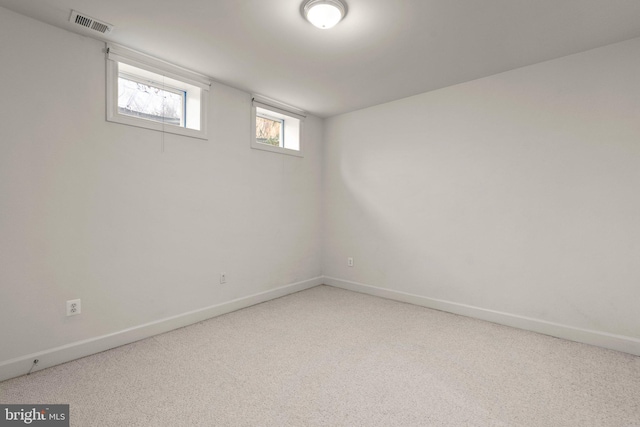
pixel 324 14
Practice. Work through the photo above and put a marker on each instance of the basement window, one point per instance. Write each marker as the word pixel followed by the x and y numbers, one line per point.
pixel 147 92
pixel 276 127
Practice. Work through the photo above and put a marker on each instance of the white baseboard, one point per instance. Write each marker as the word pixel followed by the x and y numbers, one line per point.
pixel 55 356
pixel 601 339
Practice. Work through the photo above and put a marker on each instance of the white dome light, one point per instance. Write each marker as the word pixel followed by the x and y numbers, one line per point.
pixel 324 14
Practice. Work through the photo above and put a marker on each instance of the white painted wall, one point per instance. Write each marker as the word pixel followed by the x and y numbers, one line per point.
pixel 518 193
pixel 96 210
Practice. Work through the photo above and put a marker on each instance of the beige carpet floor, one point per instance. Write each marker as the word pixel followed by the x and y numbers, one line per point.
pixel 330 357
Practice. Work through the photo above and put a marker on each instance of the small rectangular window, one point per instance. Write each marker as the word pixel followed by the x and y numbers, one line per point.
pixel 269 130
pixel 150 100
pixel 276 128
pixel 149 93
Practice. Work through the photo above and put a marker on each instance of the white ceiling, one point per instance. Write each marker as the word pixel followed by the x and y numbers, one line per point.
pixel 383 50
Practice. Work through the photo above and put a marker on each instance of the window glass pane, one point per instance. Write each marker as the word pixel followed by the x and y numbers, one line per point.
pixel 150 102
pixel 269 131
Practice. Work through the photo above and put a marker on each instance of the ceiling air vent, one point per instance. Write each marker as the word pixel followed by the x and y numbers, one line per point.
pixel 90 23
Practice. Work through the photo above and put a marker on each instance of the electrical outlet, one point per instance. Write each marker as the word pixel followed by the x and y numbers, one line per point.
pixel 73 307
pixel 223 278
pixel 350 262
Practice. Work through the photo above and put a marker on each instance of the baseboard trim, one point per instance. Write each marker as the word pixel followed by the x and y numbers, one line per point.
pixel 586 336
pixel 66 353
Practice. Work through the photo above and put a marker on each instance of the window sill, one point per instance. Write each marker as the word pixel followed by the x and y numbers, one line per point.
pixel 149 124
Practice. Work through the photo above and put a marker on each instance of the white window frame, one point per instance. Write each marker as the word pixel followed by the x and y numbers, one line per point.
pixel 181 79
pixel 277 109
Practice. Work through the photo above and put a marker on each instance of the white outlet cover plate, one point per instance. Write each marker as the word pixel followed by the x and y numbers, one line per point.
pixel 73 307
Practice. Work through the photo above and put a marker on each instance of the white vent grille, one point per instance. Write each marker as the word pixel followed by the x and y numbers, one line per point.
pixel 89 22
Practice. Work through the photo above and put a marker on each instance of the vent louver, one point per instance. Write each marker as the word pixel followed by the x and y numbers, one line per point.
pixel 89 22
